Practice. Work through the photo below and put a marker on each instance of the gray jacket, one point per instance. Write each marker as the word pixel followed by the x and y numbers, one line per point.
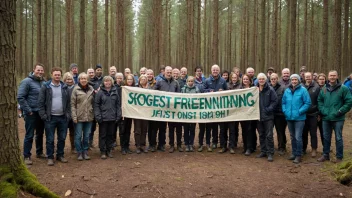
pixel 167 85
pixel 28 92
pixel 107 105
pixel 45 101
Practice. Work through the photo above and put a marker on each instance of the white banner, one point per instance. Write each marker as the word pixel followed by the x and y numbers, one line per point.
pixel 223 106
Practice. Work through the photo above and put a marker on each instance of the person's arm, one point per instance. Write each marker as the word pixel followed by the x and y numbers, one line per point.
pixel 22 95
pixel 74 105
pixel 306 102
pixel 321 98
pixel 283 102
pixel 41 103
pixel 118 108
pixel 273 101
pixel 96 107
pixel 347 101
pixel 157 85
pixel 206 87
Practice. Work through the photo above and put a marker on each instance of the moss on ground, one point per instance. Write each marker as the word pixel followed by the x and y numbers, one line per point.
pixel 343 172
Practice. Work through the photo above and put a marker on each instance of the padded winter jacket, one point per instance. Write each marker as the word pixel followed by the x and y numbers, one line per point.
pixel 295 103
pixel 313 90
pixel 267 102
pixel 107 105
pixel 213 85
pixel 82 101
pixel 170 85
pixel 279 90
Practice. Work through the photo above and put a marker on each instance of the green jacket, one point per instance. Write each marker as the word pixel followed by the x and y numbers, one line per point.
pixel 334 102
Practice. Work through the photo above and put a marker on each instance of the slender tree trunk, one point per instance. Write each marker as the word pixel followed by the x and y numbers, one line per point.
pixel 325 36
pixel 293 34
pixel 205 57
pixel 262 36
pixel 215 50
pixel 95 35
pixel 45 46
pixel 53 33
pixel 274 42
pixel 106 36
pixel 305 34
pixel 337 36
pixel 287 39
pixel 20 57
pixel 82 35
pixel 39 32
pixel 26 42
pixel 32 40
pixel 345 38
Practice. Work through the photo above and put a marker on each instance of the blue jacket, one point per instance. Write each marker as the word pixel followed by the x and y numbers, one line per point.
pixel 159 77
pixel 295 103
pixel 200 83
pixel 348 83
pixel 45 101
pixel 75 78
pixel 28 93
pixel 214 85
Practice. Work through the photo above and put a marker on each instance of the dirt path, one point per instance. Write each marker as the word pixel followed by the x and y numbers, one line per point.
pixel 190 175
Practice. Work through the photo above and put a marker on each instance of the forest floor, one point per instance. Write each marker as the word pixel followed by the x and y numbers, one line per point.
pixel 181 174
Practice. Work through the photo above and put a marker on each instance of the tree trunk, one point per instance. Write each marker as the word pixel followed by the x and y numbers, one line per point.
pixel 293 34
pixel 205 57
pixel 274 42
pixel 39 32
pixel 45 45
pixel 287 39
pixel 345 66
pixel 325 36
pixel 82 35
pixel 26 42
pixel 337 37
pixel 106 36
pixel 262 36
pixel 305 34
pixel 53 32
pixel 95 35
pixel 215 49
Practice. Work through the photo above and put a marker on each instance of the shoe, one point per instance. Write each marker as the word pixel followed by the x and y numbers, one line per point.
pixel 292 157
pixel 200 149
pixel 114 145
pixel 281 152
pixel 41 156
pixel 338 160
pixel 62 159
pixel 179 148
pixel 191 148
pixel 172 149
pixel 50 162
pixel 143 149
pixel 129 151
pixel 270 158
pixel 86 156
pixel 187 148
pixel 80 157
pixel 323 159
pixel 232 151
pixel 28 161
pixel 103 156
pixel 214 146
pixel 138 151
pixel 248 152
pixel 152 149
pixel 161 148
pixel 297 160
pixel 223 150
pixel 209 148
pixel 261 155
pixel 314 153
pixel 109 154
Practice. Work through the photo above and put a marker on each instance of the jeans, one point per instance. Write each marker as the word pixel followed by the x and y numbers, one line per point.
pixel 82 129
pixel 33 122
pixel 321 131
pixel 296 130
pixel 202 131
pixel 266 138
pixel 337 126
pixel 172 127
pixel 224 127
pixel 311 127
pixel 106 134
pixel 92 130
pixel 280 126
pixel 189 133
pixel 140 132
pixel 60 124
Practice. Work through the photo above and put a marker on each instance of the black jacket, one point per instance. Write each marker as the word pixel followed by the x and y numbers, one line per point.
pixel 313 90
pixel 107 105
pixel 96 82
pixel 267 102
pixel 280 90
pixel 45 101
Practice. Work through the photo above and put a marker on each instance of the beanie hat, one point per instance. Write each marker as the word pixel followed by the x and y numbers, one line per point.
pixel 73 65
pixel 296 76
pixel 98 66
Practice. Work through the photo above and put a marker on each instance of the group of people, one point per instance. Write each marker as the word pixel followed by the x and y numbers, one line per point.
pixel 78 101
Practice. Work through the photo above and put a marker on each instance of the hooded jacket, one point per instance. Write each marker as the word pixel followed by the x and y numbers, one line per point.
pixel 170 85
pixel 279 90
pixel 199 82
pixel 334 102
pixel 313 90
pixel 295 103
pixel 107 105
pixel 191 90
pixel 212 84
pixel 348 83
pixel 45 101
pixel 82 101
pixel 28 92
pixel 267 102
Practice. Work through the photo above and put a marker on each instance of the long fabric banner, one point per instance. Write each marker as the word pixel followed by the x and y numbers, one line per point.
pixel 224 106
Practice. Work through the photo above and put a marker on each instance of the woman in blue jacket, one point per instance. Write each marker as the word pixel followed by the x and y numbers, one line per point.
pixel 295 104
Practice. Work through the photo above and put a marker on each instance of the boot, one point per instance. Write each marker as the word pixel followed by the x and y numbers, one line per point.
pixel 138 151
pixel 187 148
pixel 172 149
pixel 232 151
pixel 179 148
pixel 292 157
pixel 314 153
pixel 191 148
pixel 297 160
pixel 270 158
pixel 209 148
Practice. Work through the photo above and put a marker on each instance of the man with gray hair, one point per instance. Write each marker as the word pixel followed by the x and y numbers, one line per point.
pixel 168 84
pixel 285 77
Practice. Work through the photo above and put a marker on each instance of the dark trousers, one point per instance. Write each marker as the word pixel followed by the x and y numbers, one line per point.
pixel 125 132
pixel 162 133
pixel 71 129
pixel 175 126
pixel 311 127
pixel 33 123
pixel 212 128
pixel 60 124
pixel 223 134
pixel 152 132
pixel 91 135
pixel 202 131
pixel 280 126
pixel 233 137
pixel 249 135
pixel 106 131
pixel 140 132
pixel 266 138
pixel 321 131
pixel 189 133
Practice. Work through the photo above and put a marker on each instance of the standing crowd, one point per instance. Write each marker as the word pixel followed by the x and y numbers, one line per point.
pixel 77 102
